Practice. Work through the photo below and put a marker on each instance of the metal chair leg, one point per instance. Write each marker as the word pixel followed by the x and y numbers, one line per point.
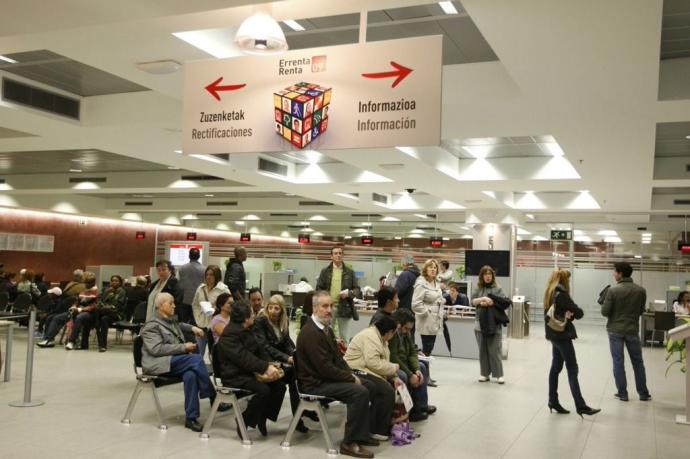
pixel 293 425
pixel 209 420
pixel 240 420
pixel 324 427
pixel 159 409
pixel 132 401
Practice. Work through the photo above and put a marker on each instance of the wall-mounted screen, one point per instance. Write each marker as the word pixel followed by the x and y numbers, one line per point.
pixel 179 253
pixel 499 260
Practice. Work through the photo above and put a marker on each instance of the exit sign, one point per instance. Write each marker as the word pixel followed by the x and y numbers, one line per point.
pixel 245 237
pixel 367 240
pixel 303 238
pixel 140 235
pixel 436 242
pixel 561 235
pixel 191 236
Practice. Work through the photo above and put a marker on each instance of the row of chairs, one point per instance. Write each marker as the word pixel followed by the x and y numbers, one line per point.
pixel 22 304
pixel 229 395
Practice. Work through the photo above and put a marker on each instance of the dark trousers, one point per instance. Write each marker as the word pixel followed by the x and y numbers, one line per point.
pixel 381 401
pixel 632 343
pixel 106 319
pixel 428 342
pixel 563 351
pixel 82 322
pixel 356 397
pixel 420 395
pixel 490 354
pixel 267 401
pixel 54 322
pixel 184 314
pixel 196 381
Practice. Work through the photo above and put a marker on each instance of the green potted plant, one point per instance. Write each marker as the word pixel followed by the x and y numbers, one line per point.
pixel 277 265
pixel 397 269
pixel 460 271
pixel 674 346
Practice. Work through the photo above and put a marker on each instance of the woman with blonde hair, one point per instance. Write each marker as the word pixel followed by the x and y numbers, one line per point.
pixel 427 305
pixel 561 332
pixel 488 339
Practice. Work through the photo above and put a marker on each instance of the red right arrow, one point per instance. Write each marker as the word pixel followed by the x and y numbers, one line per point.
pixel 400 72
pixel 215 87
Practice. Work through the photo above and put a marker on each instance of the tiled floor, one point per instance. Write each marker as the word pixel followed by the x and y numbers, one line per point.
pixel 86 394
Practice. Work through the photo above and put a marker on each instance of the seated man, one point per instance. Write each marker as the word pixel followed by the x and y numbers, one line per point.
pixel 413 372
pixel 165 352
pixel 321 370
pixel 455 297
pixel 46 306
pixel 64 310
pixel 388 302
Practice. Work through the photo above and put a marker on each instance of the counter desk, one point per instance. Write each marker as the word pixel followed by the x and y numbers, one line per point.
pixel 647 324
pixel 461 331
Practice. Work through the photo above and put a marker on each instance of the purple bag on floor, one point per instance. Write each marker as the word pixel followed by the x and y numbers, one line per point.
pixel 402 434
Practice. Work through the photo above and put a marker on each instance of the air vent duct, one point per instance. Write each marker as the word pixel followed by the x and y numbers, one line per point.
pixel 377 197
pixel 88 179
pixel 365 215
pixel 40 99
pixel 200 178
pixel 282 215
pixel 315 203
pixel 221 203
pixel 273 167
pixel 138 203
pixel 681 202
pixel 208 214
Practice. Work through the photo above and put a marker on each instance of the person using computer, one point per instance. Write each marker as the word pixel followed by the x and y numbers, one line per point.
pixel 682 304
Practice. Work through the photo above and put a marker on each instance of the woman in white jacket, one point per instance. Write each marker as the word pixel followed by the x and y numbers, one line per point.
pixel 207 292
pixel 427 304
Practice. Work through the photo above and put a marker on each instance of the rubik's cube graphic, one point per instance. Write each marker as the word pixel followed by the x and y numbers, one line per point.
pixel 301 112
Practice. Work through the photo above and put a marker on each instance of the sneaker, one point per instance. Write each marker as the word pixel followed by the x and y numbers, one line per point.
pixel 46 343
pixel 38 334
pixel 69 346
pixel 483 379
pixel 645 398
pixel 622 398
pixel 378 437
pixel 102 349
pixel 500 380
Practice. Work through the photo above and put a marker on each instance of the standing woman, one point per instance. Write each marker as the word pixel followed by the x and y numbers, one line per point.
pixel 209 292
pixel 166 283
pixel 427 304
pixel 489 340
pixel 558 294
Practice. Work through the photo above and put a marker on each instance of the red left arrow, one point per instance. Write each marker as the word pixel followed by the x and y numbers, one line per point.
pixel 215 87
pixel 400 73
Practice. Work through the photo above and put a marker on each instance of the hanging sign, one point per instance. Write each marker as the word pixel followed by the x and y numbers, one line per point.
pixel 378 94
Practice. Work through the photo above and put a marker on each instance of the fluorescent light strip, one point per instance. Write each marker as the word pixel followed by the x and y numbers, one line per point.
pixel 448 7
pixel 294 25
pixel 7 59
pixel 212 159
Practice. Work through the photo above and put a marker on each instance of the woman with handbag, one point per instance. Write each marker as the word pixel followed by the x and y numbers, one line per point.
pixel 245 364
pixel 559 312
pixel 204 302
pixel 487 332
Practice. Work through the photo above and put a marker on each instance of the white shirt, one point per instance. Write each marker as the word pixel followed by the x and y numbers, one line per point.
pixel 680 309
pixel 302 287
pixel 317 322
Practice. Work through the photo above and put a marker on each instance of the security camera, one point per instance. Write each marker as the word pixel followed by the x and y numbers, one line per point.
pixel 409 190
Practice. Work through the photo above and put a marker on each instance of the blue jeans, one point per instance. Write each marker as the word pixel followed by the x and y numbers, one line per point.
pixel 632 342
pixel 196 381
pixel 420 395
pixel 564 352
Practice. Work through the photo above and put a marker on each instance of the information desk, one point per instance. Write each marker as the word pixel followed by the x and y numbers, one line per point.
pixel 647 324
pixel 461 331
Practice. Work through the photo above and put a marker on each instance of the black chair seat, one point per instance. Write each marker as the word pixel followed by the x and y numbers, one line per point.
pixel 166 380
pixel 124 325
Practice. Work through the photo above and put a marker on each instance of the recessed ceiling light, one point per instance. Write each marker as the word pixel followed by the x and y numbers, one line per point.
pixel 179 152
pixel 239 222
pixel 607 233
pixel 367 224
pixel 173 168
pixel 687 137
pixel 294 25
pixel 251 217
pixel 388 218
pixel 284 234
pixel 347 237
pixel 397 238
pixel 361 230
pixel 446 239
pixel 426 217
pixel 448 7
pixel 308 230
pixel 75 170
pixel 7 59
pixel 417 231
pixel 530 216
pixel 318 233
pixel 318 218
pixel 208 195
pixel 261 35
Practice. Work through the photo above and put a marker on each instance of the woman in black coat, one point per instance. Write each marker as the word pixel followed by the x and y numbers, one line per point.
pixel 242 361
pixel 557 294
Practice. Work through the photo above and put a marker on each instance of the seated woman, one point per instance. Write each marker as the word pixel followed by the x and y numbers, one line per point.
pixel 85 314
pixel 682 304
pixel 368 352
pixel 221 318
pixel 272 332
pixel 243 361
pixel 110 310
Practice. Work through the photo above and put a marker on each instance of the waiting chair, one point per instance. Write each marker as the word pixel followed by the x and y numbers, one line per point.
pixel 144 380
pixel 229 395
pixel 663 322
pixel 310 402
pixel 133 326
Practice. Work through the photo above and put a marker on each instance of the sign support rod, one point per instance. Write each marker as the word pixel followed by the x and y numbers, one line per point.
pixel 363 26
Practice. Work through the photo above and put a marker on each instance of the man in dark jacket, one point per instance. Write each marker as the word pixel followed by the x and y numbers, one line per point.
pixel 623 306
pixel 387 298
pixel 405 283
pixel 235 277
pixel 340 281
pixel 321 370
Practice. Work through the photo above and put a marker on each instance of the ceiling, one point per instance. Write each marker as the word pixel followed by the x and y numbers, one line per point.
pixel 528 136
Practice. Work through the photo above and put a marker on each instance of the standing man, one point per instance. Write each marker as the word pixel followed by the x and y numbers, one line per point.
pixel 235 277
pixel 191 276
pixel 405 283
pixel 323 371
pixel 256 299
pixel 340 282
pixel 623 306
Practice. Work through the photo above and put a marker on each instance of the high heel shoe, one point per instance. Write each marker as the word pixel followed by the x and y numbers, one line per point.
pixel 559 409
pixel 588 411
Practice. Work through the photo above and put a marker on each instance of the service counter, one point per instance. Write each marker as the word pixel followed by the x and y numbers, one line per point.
pixel 460 330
